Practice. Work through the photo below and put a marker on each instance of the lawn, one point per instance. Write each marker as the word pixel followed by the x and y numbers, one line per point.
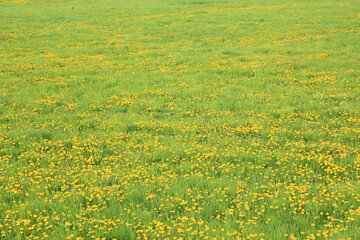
pixel 179 119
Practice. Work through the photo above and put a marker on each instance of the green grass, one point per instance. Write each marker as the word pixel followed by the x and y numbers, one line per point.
pixel 179 119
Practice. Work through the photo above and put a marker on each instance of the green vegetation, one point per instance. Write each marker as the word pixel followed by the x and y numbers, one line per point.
pixel 179 119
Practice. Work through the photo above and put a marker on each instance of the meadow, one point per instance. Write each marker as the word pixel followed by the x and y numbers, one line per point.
pixel 179 119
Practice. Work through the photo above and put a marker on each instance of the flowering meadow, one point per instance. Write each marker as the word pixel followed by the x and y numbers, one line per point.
pixel 179 119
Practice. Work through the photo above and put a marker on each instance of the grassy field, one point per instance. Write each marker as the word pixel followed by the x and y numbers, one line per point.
pixel 179 119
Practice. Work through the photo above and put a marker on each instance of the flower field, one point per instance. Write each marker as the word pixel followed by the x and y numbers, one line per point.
pixel 179 119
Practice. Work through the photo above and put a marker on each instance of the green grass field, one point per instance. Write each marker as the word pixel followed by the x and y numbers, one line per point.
pixel 179 119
